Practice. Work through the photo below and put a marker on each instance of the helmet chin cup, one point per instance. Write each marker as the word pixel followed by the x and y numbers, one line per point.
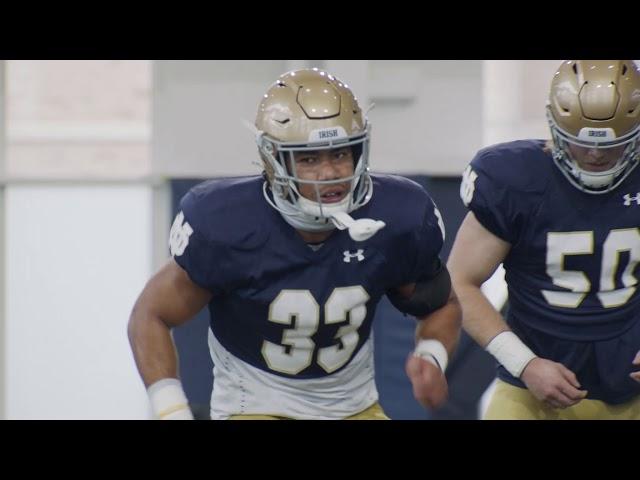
pixel 326 210
pixel 597 180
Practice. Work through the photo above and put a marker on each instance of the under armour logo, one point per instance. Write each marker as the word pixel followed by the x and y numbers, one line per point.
pixel 628 199
pixel 348 255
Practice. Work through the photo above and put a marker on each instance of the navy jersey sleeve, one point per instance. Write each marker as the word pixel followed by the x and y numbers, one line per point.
pixel 487 191
pixel 191 249
pixel 414 236
pixel 428 241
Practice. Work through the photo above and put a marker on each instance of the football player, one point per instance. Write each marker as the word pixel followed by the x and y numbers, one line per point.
pixel 562 216
pixel 292 264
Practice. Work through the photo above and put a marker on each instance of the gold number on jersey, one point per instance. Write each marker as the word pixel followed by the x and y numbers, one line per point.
pixel 561 244
pixel 468 185
pixel 618 241
pixel 299 309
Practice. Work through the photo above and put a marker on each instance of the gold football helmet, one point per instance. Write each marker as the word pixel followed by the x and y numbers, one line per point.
pixel 311 110
pixel 595 104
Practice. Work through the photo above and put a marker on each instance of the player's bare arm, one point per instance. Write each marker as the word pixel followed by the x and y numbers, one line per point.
pixel 433 303
pixel 636 363
pixel 475 255
pixel 438 329
pixel 169 299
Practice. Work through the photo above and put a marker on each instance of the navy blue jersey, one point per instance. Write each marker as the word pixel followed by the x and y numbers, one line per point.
pixel 281 306
pixel 572 270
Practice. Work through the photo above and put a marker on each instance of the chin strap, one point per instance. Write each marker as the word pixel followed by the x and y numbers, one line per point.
pixel 359 230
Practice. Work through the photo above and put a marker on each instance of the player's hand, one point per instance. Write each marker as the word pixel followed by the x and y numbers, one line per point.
pixel 552 383
pixel 636 362
pixel 429 383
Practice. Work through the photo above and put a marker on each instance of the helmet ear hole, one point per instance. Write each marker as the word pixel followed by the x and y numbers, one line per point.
pixel 267 168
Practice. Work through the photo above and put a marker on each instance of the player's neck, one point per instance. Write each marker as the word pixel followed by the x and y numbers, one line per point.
pixel 314 237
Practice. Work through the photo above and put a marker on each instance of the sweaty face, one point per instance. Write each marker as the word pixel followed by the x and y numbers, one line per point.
pixel 323 165
pixel 596 159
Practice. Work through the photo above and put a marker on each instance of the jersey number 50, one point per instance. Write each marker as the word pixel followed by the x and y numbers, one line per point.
pixel 560 244
pixel 299 309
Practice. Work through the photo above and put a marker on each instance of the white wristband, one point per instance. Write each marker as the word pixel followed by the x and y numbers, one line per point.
pixel 509 350
pixel 432 351
pixel 168 400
